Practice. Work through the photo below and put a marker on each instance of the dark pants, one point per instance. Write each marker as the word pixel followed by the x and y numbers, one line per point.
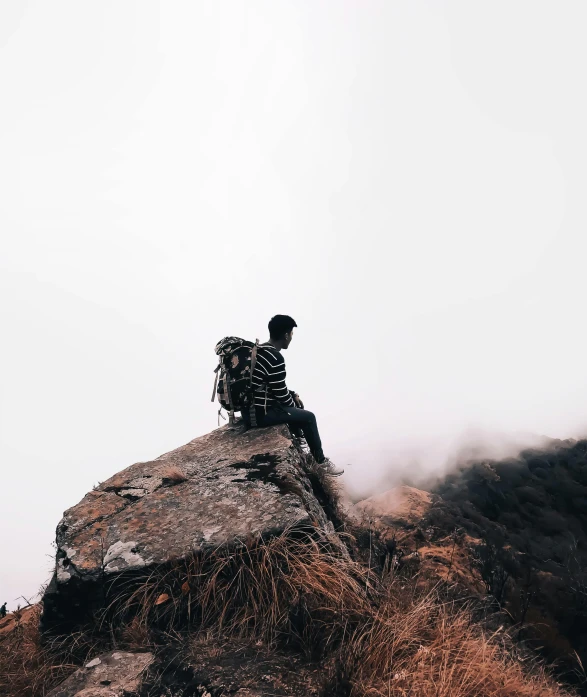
pixel 297 419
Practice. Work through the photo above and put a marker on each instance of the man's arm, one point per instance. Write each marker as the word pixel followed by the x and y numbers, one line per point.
pixel 296 398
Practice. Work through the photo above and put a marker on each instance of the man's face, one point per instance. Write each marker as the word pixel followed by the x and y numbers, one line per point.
pixel 288 337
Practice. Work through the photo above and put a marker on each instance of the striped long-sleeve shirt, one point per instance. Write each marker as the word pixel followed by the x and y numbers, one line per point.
pixel 270 371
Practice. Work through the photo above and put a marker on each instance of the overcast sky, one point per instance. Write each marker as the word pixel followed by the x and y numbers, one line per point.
pixel 406 179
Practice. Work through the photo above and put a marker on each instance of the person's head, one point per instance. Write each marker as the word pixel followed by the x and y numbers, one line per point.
pixel 281 330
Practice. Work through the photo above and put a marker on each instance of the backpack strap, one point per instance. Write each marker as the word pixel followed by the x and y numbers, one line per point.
pixel 254 359
pixel 227 391
pixel 252 412
pixel 216 380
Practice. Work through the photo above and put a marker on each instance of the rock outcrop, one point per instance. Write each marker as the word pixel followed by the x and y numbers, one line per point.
pixel 214 492
pixel 403 504
pixel 16 619
pixel 115 674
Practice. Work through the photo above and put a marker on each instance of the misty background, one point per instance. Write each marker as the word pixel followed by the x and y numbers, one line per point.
pixel 407 180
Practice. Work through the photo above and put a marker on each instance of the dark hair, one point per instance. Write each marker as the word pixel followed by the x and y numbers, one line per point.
pixel 280 325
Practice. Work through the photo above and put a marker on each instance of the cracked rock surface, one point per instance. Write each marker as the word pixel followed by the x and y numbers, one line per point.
pixel 214 491
pixel 115 674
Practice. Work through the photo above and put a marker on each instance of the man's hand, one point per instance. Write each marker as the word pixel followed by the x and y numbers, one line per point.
pixel 297 401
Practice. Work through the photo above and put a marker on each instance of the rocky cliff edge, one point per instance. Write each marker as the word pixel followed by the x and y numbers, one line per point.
pixel 214 492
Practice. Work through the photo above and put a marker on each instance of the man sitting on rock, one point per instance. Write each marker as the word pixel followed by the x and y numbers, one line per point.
pixel 274 403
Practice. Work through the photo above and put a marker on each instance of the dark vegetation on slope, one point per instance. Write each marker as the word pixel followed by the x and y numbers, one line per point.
pixel 531 514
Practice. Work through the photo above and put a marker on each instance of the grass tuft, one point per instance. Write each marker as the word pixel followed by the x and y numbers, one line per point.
pixel 172 474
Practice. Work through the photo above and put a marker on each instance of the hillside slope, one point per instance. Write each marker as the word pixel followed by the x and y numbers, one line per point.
pixel 227 568
pixel 514 529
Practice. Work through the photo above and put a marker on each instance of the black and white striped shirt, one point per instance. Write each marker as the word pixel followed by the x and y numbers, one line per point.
pixel 270 371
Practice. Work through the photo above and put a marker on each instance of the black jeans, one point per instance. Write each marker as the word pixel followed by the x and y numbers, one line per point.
pixel 296 419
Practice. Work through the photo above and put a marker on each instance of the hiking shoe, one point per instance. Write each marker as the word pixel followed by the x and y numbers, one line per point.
pixel 330 468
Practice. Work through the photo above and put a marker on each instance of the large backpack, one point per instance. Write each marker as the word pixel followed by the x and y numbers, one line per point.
pixel 234 374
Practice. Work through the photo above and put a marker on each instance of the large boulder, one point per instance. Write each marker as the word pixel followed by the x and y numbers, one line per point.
pixel 216 491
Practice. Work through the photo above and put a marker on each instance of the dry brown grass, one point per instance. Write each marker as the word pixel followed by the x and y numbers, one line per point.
pixel 382 638
pixel 30 668
pixel 374 637
pixel 172 474
pixel 430 648
pixel 264 589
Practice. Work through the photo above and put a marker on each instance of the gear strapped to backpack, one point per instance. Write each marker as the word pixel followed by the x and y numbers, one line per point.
pixel 233 384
